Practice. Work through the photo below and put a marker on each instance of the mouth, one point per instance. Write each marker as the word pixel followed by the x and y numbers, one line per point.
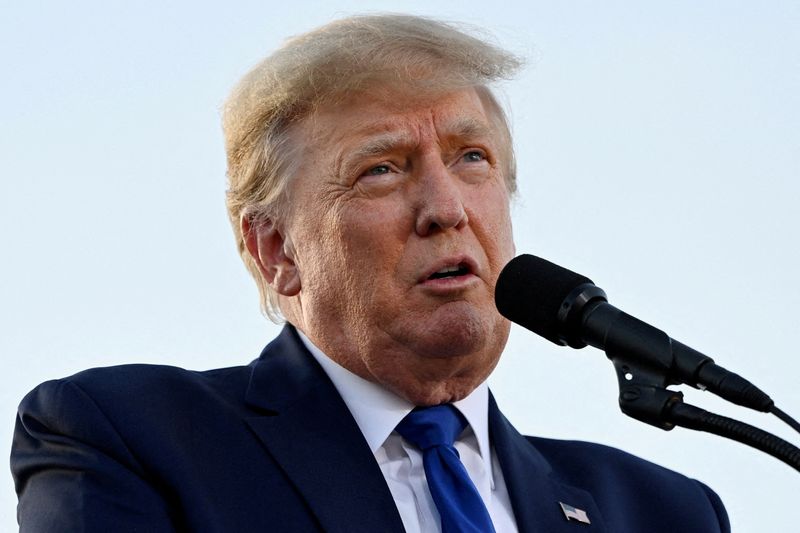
pixel 461 269
pixel 450 274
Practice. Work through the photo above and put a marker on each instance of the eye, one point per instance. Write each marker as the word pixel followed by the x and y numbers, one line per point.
pixel 474 156
pixel 377 171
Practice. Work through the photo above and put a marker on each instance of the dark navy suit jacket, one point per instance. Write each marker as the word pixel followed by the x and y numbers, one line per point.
pixel 272 447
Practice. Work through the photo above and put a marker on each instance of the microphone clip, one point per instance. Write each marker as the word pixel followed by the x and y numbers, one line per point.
pixel 643 394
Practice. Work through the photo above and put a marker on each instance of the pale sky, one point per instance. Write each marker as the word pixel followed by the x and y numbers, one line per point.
pixel 658 153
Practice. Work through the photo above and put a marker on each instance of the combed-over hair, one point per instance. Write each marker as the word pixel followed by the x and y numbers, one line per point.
pixel 324 65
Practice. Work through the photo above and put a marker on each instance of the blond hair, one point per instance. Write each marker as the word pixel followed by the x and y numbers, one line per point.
pixel 320 66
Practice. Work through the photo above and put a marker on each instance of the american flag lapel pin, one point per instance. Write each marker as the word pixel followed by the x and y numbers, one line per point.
pixel 573 513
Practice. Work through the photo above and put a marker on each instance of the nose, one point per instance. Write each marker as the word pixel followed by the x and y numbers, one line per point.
pixel 440 201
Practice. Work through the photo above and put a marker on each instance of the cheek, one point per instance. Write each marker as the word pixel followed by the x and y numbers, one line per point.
pixel 374 231
pixel 491 220
pixel 364 241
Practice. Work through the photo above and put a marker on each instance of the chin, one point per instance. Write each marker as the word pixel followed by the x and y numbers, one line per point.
pixel 443 356
pixel 457 329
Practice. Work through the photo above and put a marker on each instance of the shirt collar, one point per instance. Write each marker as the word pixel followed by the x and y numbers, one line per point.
pixel 377 411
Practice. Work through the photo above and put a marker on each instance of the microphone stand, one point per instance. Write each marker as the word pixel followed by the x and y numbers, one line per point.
pixel 647 360
pixel 643 395
pixel 571 310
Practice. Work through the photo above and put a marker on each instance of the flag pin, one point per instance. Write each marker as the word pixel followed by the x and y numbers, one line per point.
pixel 573 513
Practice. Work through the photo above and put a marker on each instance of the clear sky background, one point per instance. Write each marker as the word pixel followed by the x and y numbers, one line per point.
pixel 658 151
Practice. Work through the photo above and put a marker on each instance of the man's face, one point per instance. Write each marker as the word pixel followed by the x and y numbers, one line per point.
pixel 398 228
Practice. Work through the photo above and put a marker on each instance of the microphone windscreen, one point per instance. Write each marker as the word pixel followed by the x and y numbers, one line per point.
pixel 530 291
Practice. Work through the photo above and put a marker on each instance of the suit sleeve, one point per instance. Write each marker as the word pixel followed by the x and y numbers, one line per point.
pixel 719 508
pixel 73 472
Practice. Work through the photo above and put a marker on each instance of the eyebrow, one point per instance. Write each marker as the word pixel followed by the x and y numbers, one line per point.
pixel 460 127
pixel 380 145
pixel 467 127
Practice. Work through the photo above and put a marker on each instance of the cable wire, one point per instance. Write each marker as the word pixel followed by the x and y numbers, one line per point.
pixel 785 418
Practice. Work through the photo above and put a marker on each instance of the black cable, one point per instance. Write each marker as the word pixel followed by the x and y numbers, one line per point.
pixel 786 418
pixel 689 416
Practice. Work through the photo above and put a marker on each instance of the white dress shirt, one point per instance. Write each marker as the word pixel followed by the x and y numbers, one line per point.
pixel 377 412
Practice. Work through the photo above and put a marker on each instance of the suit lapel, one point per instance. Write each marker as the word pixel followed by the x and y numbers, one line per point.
pixel 308 430
pixel 534 491
pixel 306 427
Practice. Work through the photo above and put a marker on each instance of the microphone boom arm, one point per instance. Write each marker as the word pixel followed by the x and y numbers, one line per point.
pixel 588 318
pixel 569 309
pixel 644 396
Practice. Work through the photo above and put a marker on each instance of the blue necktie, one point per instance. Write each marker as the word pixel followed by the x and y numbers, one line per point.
pixel 434 430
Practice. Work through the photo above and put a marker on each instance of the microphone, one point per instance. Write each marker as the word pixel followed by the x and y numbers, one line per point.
pixel 569 309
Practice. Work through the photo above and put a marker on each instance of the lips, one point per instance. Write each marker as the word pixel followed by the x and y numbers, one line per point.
pixel 450 269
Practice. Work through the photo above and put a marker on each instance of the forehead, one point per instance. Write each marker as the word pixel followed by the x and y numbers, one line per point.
pixel 385 113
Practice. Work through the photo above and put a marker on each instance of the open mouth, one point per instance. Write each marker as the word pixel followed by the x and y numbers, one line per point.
pixel 451 272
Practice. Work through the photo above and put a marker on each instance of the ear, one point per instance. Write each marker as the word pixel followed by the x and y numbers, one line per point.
pixel 272 252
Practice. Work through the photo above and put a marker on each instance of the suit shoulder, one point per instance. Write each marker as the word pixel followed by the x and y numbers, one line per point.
pixel 144 376
pixel 139 385
pixel 571 456
pixel 620 476
pixel 598 465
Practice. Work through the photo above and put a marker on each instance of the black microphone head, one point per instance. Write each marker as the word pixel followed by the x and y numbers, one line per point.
pixel 530 291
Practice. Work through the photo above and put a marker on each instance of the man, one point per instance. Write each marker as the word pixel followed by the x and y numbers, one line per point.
pixel 370 174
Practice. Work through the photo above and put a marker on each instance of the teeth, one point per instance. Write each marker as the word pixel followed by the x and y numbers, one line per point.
pixel 446 272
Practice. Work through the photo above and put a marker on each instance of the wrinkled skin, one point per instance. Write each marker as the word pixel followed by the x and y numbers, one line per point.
pixel 389 189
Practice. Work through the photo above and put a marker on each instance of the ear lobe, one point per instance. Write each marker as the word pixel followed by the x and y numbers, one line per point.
pixel 273 254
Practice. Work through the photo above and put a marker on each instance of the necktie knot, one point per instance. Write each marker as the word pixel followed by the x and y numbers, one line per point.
pixel 426 427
